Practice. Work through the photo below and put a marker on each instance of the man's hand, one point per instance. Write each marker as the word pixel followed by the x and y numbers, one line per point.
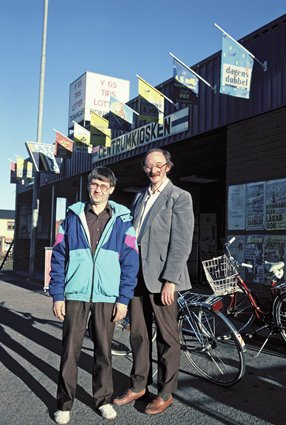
pixel 59 309
pixel 119 312
pixel 168 293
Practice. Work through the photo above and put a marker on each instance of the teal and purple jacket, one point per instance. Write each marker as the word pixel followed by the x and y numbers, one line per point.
pixel 110 275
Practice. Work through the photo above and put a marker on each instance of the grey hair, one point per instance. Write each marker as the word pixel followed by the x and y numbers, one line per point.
pixel 102 173
pixel 166 154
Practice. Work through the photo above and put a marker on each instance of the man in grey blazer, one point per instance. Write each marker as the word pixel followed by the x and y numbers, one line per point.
pixel 164 223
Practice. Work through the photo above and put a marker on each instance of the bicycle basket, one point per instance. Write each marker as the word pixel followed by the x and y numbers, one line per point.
pixel 221 275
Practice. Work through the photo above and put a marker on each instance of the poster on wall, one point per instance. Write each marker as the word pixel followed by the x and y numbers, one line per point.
pixel 275 204
pixel 274 251
pixel 208 236
pixel 255 206
pixel 237 250
pixel 275 248
pixel 236 207
pixel 254 256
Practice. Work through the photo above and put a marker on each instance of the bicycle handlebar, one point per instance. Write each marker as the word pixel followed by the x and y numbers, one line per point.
pixel 237 263
pixel 249 266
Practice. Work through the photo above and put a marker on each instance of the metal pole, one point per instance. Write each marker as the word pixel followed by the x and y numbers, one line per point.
pixel 36 186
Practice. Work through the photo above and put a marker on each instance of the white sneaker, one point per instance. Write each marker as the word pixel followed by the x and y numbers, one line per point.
pixel 62 417
pixel 107 411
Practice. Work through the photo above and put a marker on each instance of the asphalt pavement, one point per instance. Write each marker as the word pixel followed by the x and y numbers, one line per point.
pixel 30 343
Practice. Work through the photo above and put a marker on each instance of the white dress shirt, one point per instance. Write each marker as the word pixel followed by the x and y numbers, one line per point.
pixel 148 201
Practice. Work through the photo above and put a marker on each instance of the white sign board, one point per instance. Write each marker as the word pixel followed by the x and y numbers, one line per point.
pixel 92 91
pixel 43 154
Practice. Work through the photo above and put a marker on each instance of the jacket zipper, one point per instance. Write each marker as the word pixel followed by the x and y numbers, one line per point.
pixel 111 221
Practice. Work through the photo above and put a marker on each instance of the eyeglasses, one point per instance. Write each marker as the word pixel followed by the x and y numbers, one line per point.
pixel 103 187
pixel 148 168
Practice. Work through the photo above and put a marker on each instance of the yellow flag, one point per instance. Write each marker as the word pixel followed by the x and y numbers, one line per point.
pixel 81 134
pixel 19 167
pixel 100 133
pixel 99 123
pixel 28 167
pixel 151 94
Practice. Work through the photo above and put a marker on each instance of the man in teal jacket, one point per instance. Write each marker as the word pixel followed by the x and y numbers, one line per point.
pixel 94 269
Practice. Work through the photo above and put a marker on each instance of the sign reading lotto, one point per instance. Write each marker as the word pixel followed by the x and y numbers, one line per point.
pixel 92 91
pixel 173 124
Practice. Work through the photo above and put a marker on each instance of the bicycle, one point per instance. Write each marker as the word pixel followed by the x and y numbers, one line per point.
pixel 202 329
pixel 240 304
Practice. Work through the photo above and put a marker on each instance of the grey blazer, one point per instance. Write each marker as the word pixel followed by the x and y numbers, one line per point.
pixel 165 238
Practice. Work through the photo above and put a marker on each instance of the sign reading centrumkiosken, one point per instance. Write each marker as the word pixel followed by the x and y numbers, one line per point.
pixel 173 124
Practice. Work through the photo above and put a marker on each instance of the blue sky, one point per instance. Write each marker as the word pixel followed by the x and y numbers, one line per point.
pixel 117 38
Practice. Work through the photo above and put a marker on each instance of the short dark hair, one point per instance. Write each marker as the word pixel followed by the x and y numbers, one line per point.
pixel 102 173
pixel 166 154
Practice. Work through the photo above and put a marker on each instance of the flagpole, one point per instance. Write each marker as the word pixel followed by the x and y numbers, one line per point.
pixel 36 185
pixel 169 100
pixel 264 64
pixel 197 75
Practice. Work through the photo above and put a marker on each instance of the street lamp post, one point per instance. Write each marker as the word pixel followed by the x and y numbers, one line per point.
pixel 36 186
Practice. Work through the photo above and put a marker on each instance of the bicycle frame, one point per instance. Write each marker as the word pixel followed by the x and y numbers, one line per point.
pixel 259 313
pixel 278 289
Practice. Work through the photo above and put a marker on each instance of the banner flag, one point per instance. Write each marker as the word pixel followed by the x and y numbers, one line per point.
pixel 28 169
pixel 81 134
pixel 185 77
pixel 121 116
pixel 152 95
pixel 13 177
pixel 236 69
pixel 121 110
pixel 99 130
pixel 64 146
pixel 19 167
pixel 99 123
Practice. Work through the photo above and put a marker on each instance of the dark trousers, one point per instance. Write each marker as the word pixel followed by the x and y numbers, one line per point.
pixel 142 308
pixel 74 328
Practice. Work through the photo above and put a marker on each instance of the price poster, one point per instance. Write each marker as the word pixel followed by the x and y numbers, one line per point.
pixel 275 205
pixel 255 206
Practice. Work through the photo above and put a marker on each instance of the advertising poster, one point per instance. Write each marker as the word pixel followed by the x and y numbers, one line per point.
pixel 275 248
pixel 236 69
pixel 236 207
pixel 255 206
pixel 274 251
pixel 254 255
pixel 275 204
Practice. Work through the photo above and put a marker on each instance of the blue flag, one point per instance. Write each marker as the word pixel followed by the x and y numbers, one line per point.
pixel 236 69
pixel 185 77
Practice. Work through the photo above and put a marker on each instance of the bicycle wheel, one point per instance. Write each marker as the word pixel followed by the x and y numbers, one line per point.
pixel 279 313
pixel 238 309
pixel 212 345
